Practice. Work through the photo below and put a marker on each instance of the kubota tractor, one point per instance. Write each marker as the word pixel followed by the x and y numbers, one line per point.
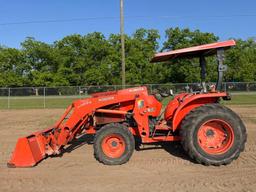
pixel 210 133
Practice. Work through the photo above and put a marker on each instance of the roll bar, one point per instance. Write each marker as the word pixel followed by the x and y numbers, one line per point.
pixel 201 52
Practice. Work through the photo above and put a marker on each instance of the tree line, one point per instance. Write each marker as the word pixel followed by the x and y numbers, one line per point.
pixel 93 59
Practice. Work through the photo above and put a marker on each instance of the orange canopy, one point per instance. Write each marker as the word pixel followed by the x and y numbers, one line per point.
pixel 207 49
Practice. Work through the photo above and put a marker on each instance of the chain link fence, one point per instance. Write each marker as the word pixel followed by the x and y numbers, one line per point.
pixel 60 97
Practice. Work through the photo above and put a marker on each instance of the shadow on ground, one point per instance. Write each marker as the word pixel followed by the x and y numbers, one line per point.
pixel 173 148
pixel 77 143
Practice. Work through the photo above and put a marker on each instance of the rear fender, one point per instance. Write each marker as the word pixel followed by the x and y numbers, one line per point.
pixel 192 101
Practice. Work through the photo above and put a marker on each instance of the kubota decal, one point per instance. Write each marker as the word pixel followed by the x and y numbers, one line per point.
pixel 136 89
pixel 106 98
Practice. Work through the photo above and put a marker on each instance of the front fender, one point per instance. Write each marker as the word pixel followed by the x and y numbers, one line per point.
pixel 192 101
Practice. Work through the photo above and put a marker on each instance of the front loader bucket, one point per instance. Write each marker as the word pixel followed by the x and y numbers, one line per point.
pixel 28 152
pixel 32 149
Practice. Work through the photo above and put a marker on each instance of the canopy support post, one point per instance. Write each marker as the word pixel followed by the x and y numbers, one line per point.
pixel 203 72
pixel 221 68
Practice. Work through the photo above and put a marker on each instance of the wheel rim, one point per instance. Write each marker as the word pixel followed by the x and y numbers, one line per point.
pixel 215 136
pixel 113 146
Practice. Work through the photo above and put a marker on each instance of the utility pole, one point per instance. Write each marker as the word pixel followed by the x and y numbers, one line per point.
pixel 122 40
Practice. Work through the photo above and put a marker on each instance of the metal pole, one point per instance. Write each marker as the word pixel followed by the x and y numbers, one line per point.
pixel 79 89
pixel 44 99
pixel 122 40
pixel 9 94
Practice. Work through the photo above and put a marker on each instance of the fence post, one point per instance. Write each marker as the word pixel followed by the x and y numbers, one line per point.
pixel 44 99
pixel 79 91
pixel 9 94
pixel 151 88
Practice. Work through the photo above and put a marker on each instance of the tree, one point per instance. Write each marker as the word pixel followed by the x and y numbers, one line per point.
pixel 241 61
pixel 13 70
pixel 187 70
pixel 42 61
pixel 83 59
pixel 140 48
pixel 93 59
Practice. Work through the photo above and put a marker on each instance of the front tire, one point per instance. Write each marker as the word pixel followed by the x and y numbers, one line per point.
pixel 113 144
pixel 213 135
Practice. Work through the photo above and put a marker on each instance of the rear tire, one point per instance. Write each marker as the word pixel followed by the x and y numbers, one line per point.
pixel 113 144
pixel 213 135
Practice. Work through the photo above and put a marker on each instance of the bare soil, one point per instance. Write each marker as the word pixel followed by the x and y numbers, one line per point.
pixel 154 168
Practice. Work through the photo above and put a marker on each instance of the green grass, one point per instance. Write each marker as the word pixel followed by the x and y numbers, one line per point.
pixel 36 102
pixel 244 99
pixel 63 102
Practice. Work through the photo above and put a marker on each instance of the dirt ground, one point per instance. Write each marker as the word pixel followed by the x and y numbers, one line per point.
pixel 165 168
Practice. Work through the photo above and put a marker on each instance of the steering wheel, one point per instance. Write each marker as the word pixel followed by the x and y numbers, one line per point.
pixel 160 94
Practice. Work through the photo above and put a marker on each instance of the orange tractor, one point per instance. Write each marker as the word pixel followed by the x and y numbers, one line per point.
pixel 210 133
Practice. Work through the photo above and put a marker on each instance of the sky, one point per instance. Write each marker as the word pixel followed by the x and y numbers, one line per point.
pixel 225 18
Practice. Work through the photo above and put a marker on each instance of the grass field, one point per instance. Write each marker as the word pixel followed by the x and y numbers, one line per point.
pixel 63 101
pixel 243 99
pixel 36 102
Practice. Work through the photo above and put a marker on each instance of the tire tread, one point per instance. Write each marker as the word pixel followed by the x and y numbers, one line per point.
pixel 191 118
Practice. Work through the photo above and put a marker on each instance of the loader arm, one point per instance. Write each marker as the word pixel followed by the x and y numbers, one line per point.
pixel 32 149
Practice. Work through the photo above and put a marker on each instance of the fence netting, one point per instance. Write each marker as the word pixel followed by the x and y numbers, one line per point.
pixel 59 97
